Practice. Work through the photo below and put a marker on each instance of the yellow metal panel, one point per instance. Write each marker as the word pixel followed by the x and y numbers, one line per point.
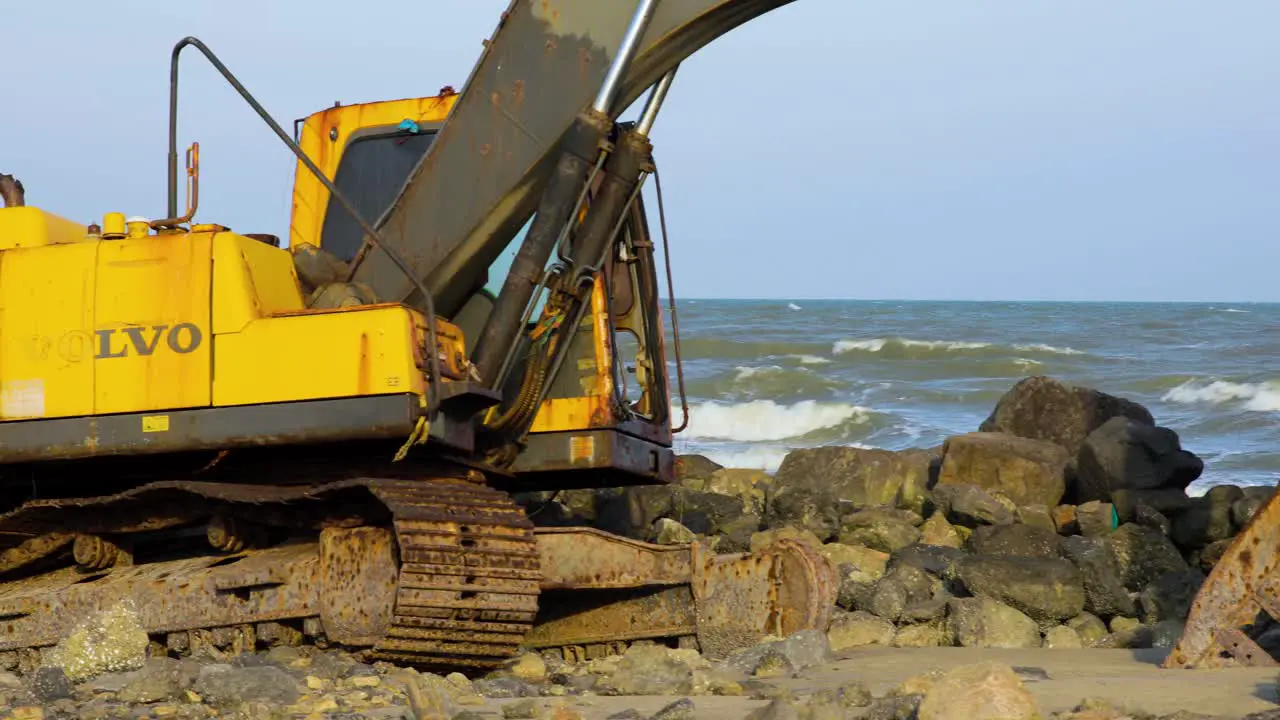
pixel 325 136
pixel 152 330
pixel 46 331
pixel 250 280
pixel 593 408
pixel 26 227
pixel 349 352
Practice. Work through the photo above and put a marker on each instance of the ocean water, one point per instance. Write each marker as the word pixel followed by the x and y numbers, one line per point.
pixel 764 377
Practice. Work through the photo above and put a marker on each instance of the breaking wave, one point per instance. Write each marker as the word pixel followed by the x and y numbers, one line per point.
pixel 766 420
pixel 908 348
pixel 1258 397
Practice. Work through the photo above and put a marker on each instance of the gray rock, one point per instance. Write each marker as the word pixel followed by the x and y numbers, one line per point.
pixel 1208 557
pixel 878 529
pixel 1088 627
pixel 863 477
pixel 1142 555
pixel 650 670
pixel 682 709
pixel 1166 633
pixel 1015 540
pixel 932 559
pixel 669 532
pixel 854 594
pixel 48 684
pixel 937 531
pixel 1043 408
pixel 1255 497
pixel 159 680
pixel 691 469
pixel 527 709
pixel 1208 519
pixel 926 610
pixel 505 687
pixel 981 690
pixel 804 649
pixel 983 622
pixel 1037 516
pixel 1062 637
pixel 777 709
pixel 970 506
pixel 856 629
pixel 773 664
pixel 1166 501
pixel 896 707
pixel 226 686
pixel 930 634
pixel 1096 518
pixel 1046 590
pixel 901 586
pixel 1148 516
pixel 1124 453
pixel 1105 593
pixel 628 714
pixel 1027 471
pixel 816 510
pixel 1170 596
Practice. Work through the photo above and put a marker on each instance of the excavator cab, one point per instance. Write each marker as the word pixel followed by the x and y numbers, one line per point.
pixel 606 417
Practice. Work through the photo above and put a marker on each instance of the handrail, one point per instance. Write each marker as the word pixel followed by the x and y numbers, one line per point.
pixel 433 350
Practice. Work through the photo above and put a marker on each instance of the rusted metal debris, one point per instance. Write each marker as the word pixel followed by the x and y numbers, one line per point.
pixel 1241 589
pixel 452 577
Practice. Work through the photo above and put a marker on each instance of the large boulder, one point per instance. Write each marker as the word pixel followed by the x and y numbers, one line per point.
pixel 1043 408
pixel 860 476
pixel 933 559
pixel 1208 519
pixel 867 563
pixel 1255 497
pixel 1047 591
pixel 856 629
pixel 878 529
pixel 1016 540
pixel 1170 596
pixel 695 470
pixel 986 691
pixel 937 531
pixel 1127 454
pixel 969 505
pixel 1104 590
pixel 902 587
pixel 983 622
pixel 1142 555
pixel 1029 472
pixel 750 486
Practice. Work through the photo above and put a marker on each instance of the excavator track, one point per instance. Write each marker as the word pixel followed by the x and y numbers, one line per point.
pixel 433 572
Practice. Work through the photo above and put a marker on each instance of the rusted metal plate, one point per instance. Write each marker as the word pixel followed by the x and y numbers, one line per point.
pixel 477 183
pixel 592 617
pixel 1245 651
pixel 359 572
pixel 586 558
pixel 1228 598
pixel 779 590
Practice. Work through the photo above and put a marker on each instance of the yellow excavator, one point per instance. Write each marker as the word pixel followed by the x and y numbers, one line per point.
pixel 257 444
pixel 321 442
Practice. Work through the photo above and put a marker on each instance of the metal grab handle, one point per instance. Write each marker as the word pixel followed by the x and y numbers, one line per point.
pixel 434 350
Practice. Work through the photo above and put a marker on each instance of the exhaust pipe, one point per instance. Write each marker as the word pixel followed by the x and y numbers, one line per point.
pixel 11 191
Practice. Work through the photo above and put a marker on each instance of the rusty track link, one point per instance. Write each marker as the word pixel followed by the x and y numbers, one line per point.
pixel 435 572
pixel 469 575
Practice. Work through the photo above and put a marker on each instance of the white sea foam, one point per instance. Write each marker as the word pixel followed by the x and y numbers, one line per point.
pixel 1026 362
pixel 742 373
pixel 766 420
pixel 810 359
pixel 876 345
pixel 794 306
pixel 1259 397
pixel 1041 347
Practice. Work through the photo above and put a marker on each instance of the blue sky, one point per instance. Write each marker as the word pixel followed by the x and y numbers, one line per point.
pixel 832 148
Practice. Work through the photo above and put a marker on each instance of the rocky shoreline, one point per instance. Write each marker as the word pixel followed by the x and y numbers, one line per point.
pixel 1062 522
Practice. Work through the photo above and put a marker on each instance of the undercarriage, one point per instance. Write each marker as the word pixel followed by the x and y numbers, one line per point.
pixel 439 572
